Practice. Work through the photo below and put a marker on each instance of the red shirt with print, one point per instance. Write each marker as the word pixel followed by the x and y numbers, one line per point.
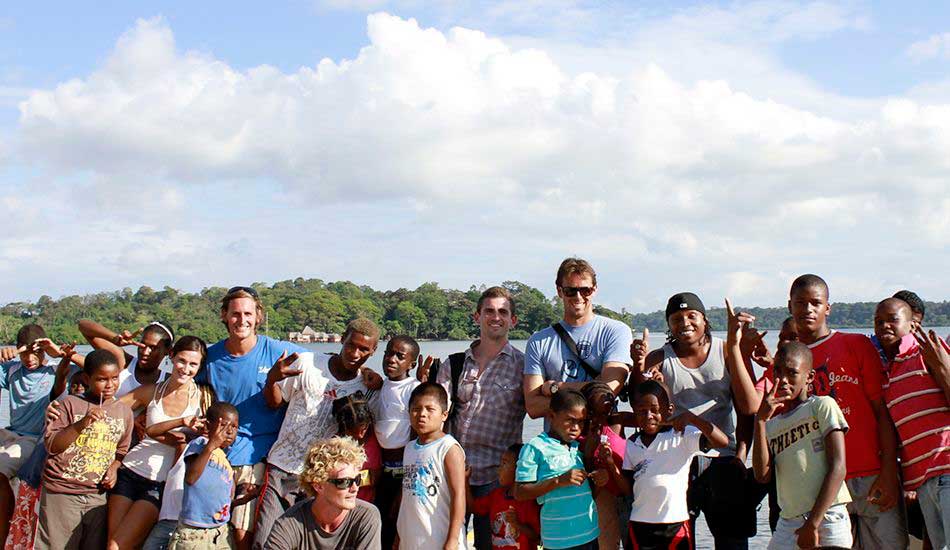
pixel 494 505
pixel 848 368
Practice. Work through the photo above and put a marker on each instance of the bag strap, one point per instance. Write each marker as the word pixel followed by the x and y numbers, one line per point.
pixel 456 363
pixel 569 342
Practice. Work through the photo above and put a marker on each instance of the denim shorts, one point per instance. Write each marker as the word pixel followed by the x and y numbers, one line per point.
pixel 135 487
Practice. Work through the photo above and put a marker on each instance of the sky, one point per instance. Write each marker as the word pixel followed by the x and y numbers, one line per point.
pixel 717 147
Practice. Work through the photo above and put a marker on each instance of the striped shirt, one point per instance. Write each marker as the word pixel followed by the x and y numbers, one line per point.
pixel 490 409
pixel 921 414
pixel 568 514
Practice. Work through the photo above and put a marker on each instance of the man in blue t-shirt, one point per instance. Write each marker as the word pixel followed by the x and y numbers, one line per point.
pixel 604 344
pixel 237 369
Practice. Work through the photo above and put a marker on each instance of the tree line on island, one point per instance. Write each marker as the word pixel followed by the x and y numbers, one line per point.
pixel 428 312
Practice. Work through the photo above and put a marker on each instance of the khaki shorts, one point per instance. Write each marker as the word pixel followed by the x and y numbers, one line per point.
pixel 243 516
pixel 14 450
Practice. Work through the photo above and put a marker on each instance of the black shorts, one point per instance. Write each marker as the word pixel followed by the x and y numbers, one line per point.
pixel 135 487
pixel 660 536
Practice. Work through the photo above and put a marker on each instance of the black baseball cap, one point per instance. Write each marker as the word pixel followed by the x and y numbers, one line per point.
pixel 683 301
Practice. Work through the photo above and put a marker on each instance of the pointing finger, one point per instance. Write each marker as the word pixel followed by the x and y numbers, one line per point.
pixel 729 310
pixel 646 336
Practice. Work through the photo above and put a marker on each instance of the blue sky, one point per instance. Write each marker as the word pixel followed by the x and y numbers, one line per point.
pixel 717 147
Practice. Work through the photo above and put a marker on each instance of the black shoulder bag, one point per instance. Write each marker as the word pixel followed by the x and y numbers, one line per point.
pixel 456 362
pixel 591 373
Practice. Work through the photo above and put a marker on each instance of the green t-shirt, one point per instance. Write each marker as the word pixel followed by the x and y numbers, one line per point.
pixel 797 445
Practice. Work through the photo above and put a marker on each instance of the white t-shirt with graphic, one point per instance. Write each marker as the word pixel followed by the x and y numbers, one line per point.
pixel 309 417
pixel 426 508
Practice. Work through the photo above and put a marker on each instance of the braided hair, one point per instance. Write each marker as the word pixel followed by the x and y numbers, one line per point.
pixel 351 411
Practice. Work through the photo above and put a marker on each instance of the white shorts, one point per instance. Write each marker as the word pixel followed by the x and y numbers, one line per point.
pixel 835 530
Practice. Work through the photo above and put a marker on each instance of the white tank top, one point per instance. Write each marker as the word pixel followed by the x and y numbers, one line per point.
pixel 705 391
pixel 426 499
pixel 152 459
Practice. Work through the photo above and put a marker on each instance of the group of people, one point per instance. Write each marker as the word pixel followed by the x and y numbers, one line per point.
pixel 257 443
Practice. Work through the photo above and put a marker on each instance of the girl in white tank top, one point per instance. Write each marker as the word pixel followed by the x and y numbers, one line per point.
pixel 172 407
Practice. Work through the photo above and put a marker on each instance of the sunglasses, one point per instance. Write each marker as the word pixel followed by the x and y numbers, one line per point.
pixel 345 482
pixel 571 291
pixel 247 289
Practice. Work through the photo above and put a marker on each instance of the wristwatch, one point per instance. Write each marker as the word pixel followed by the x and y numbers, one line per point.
pixel 554 387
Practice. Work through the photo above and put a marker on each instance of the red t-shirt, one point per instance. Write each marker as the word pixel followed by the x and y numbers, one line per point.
pixel 494 505
pixel 848 368
pixel 374 462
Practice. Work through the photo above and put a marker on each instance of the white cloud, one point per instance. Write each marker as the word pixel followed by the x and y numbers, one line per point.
pixel 934 46
pixel 460 141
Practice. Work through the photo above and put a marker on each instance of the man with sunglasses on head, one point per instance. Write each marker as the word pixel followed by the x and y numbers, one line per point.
pixel 602 344
pixel 333 518
pixel 488 409
pixel 237 369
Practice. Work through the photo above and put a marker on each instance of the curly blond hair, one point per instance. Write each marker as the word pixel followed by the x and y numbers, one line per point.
pixel 326 455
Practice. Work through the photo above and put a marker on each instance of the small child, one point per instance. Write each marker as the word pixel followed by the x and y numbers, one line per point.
pixel 515 524
pixel 551 470
pixel 603 426
pixel 804 447
pixel 433 486
pixel 77 384
pixel 656 467
pixel 209 485
pixel 392 428
pixel 354 419
pixel 86 444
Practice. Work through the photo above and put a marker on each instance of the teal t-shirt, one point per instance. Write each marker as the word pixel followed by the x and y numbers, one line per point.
pixel 29 395
pixel 568 514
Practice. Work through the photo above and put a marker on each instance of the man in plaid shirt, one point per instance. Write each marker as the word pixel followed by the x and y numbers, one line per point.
pixel 489 401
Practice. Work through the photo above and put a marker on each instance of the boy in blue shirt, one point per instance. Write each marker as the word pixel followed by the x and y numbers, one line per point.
pixel 209 486
pixel 551 470
pixel 29 381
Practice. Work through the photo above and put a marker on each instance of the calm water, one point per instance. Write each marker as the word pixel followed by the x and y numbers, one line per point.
pixel 532 427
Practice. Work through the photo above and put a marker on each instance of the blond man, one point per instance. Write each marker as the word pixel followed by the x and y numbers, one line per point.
pixel 333 517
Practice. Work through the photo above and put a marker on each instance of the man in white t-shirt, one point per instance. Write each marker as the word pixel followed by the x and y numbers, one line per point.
pixel 308 383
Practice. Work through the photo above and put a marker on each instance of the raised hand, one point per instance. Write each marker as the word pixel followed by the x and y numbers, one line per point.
pixel 283 368
pixel 680 421
pixel 639 350
pixel 372 379
pixel 422 371
pixel 934 352
pixel 9 353
pixel 771 403
pixel 47 346
pixel 218 436
pixel 194 422
pixel 761 355
pixel 126 338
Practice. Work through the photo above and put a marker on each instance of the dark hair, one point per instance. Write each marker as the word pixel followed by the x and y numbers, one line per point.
pixel 794 350
pixel 408 340
pixel 567 399
pixel 78 377
pixel 913 300
pixel 514 448
pixel 809 280
pixel 97 359
pixel 591 389
pixel 575 266
pixel 430 389
pixel 351 411
pixel 29 334
pixel 219 409
pixel 191 343
pixel 165 334
pixel 788 320
pixel 496 292
pixel 654 388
